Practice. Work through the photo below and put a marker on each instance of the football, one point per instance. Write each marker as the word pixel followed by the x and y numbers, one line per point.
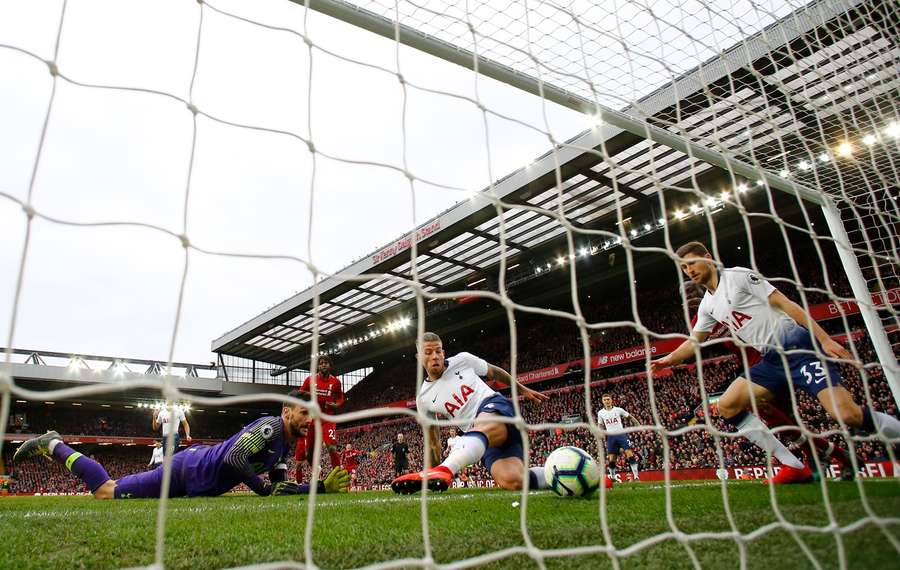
pixel 572 472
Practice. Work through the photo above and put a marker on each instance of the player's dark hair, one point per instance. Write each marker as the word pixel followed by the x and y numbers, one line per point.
pixel 325 358
pixel 431 337
pixel 692 247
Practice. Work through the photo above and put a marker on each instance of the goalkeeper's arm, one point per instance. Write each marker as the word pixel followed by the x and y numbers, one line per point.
pixel 250 443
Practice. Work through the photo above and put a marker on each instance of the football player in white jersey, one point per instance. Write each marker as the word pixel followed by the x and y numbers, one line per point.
pixel 760 316
pixel 454 389
pixel 612 418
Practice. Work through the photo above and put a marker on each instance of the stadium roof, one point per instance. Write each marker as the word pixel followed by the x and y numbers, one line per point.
pixel 785 99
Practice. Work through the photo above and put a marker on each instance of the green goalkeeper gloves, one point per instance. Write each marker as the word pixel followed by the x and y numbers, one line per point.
pixel 285 488
pixel 338 481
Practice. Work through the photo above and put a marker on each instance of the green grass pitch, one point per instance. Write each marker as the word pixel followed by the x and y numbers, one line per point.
pixel 367 528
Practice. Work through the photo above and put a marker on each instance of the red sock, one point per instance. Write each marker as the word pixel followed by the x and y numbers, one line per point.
pixel 774 417
pixel 837 453
pixel 335 458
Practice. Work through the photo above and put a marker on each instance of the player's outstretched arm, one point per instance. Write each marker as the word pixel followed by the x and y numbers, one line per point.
pixel 793 310
pixel 500 375
pixel 684 351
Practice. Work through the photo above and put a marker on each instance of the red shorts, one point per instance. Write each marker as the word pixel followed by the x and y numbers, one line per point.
pixel 306 446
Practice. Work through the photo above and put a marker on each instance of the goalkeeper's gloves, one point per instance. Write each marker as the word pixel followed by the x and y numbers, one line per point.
pixel 286 488
pixel 338 481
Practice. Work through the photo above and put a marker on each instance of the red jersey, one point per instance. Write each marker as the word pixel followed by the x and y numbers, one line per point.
pixel 348 459
pixel 721 331
pixel 328 391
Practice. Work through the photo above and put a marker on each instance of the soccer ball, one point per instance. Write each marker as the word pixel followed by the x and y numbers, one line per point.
pixel 571 472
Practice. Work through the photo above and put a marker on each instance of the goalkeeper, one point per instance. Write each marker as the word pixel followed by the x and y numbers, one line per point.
pixel 203 470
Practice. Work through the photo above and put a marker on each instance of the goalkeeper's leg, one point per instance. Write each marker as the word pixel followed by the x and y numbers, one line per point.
pixel 51 445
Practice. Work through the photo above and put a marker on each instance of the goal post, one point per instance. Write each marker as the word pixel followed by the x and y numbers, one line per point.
pixel 874 326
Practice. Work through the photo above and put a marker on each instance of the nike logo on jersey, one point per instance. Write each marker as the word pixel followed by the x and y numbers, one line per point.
pixel 460 399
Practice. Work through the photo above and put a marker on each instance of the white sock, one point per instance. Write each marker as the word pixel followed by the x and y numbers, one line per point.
pixel 888 425
pixel 767 441
pixel 470 449
pixel 53 443
pixel 634 470
pixel 540 480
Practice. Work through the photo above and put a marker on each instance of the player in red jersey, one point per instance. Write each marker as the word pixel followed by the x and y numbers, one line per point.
pixel 330 397
pixel 779 412
pixel 348 460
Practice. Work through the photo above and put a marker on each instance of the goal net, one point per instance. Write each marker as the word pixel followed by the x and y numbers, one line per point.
pixel 767 130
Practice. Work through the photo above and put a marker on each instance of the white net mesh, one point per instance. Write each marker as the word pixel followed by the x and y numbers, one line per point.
pixel 756 98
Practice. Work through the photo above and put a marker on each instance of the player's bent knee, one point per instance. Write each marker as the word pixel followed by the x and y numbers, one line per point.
pixel 510 482
pixel 851 415
pixel 728 408
pixel 106 490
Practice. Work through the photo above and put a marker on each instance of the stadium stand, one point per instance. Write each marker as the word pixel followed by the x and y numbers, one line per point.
pixel 542 342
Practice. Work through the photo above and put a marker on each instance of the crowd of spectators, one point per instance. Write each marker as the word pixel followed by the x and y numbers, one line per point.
pixel 115 423
pixel 669 403
pixel 673 405
pixel 544 341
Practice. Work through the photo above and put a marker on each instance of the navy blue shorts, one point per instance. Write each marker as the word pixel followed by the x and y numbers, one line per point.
pixel 499 404
pixel 807 372
pixel 617 443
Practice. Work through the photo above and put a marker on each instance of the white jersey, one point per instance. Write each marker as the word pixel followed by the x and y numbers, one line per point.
pixel 167 419
pixel 452 442
pixel 741 303
pixel 458 392
pixel 612 419
pixel 157 457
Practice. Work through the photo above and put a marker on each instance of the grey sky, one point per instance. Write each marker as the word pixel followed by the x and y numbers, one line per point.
pixel 117 156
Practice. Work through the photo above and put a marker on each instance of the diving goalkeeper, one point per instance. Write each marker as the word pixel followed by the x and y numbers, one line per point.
pixel 203 470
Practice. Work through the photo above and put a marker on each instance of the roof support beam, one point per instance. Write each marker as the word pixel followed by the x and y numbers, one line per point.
pixel 771 92
pixel 607 181
pixel 453 261
pixel 343 306
pixel 378 294
pixel 491 237
pixel 420 280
